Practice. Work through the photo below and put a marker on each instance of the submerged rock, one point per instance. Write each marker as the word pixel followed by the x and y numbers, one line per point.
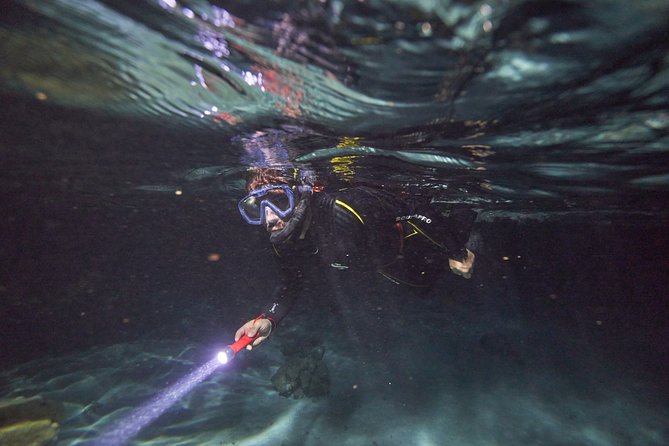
pixel 300 377
pixel 29 433
pixel 29 421
pixel 304 374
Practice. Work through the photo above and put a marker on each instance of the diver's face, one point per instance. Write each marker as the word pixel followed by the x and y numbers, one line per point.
pixel 272 221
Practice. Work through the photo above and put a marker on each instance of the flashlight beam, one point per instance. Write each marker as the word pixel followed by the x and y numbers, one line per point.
pixel 130 425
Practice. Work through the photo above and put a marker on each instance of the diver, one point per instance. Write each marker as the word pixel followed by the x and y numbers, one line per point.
pixel 405 240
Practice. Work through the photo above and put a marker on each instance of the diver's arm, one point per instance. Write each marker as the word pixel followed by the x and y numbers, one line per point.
pixel 453 232
pixel 457 229
pixel 283 299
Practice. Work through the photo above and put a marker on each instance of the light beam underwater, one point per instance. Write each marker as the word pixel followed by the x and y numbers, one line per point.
pixel 128 427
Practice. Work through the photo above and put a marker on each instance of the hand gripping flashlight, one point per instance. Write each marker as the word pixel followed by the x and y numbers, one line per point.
pixel 229 352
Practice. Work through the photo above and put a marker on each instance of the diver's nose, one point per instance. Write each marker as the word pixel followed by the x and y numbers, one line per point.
pixel 270 216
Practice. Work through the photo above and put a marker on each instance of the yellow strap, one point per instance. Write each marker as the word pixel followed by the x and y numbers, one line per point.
pixel 344 205
pixel 411 235
pixel 424 234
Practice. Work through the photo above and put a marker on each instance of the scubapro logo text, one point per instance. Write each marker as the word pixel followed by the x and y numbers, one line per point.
pixel 416 217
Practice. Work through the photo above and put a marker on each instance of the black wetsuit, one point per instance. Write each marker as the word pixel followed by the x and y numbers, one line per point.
pixel 407 241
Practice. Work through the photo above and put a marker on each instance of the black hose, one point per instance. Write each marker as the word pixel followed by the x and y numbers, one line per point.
pixel 295 220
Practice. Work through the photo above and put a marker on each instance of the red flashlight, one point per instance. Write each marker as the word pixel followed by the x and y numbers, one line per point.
pixel 229 352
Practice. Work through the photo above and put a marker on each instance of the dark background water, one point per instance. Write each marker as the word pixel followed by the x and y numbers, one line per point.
pixel 554 123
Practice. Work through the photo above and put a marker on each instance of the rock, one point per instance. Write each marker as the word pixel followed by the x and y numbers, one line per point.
pixel 29 421
pixel 302 377
pixel 26 409
pixel 29 433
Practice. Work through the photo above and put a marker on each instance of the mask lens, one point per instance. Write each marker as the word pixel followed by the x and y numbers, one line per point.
pixel 251 207
pixel 279 199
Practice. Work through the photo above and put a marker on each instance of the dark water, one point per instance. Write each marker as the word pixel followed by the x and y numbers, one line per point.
pixel 125 131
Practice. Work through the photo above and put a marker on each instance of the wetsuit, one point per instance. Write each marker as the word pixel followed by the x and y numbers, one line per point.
pixel 407 241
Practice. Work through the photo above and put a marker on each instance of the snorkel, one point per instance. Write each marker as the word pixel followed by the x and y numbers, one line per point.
pixel 296 219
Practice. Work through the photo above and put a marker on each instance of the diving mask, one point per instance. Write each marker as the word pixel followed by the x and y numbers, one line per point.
pixel 280 198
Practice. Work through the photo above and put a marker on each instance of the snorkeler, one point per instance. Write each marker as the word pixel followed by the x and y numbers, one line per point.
pixel 405 240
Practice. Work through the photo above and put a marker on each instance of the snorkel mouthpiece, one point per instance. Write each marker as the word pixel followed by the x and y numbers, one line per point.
pixel 295 220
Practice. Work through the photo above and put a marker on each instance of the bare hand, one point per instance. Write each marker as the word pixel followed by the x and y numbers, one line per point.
pixel 463 268
pixel 252 328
